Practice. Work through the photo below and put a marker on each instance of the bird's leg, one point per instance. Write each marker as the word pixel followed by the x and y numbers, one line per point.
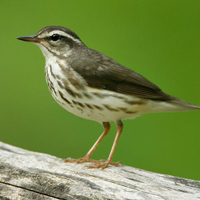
pixel 106 126
pixel 109 160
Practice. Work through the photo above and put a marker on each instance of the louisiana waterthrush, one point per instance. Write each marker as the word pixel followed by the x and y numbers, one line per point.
pixel 93 86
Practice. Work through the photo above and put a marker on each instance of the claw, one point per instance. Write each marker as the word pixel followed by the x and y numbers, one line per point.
pixel 82 160
pixel 97 163
pixel 104 164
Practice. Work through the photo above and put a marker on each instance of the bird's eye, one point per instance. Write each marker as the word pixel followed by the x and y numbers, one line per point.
pixel 55 37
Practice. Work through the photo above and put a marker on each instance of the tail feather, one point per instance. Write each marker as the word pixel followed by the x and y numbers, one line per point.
pixel 173 105
pixel 184 105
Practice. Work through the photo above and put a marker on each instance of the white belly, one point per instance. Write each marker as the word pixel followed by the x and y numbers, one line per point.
pixel 102 110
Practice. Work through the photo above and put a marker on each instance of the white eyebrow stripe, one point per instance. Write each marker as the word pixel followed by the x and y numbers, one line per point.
pixel 62 33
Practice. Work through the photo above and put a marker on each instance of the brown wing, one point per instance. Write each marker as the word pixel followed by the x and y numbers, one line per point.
pixel 102 72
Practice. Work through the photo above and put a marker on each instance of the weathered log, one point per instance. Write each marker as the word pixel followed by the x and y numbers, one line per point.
pixel 30 175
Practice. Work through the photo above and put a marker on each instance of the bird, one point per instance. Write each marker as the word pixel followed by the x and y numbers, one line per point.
pixel 93 86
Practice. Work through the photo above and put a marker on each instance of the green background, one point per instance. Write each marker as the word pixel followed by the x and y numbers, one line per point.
pixel 156 38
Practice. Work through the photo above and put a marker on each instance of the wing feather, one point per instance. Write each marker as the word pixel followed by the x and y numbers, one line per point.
pixel 102 72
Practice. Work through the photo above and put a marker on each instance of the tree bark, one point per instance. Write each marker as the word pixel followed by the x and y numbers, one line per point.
pixel 30 175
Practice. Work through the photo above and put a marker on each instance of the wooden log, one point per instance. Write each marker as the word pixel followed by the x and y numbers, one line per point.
pixel 30 175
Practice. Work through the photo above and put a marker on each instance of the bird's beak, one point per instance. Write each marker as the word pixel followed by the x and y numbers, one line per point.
pixel 29 38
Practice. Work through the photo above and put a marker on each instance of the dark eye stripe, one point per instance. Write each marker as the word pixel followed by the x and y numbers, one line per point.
pixel 63 40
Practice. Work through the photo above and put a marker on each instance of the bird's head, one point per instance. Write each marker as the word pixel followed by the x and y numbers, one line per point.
pixel 55 40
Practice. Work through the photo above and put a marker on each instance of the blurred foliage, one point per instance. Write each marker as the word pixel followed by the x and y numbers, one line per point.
pixel 158 39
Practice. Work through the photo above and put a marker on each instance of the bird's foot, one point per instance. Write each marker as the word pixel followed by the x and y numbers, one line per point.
pixel 97 163
pixel 104 164
pixel 82 160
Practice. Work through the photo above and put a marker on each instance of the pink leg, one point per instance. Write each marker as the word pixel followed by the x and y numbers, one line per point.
pixel 106 126
pixel 109 160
